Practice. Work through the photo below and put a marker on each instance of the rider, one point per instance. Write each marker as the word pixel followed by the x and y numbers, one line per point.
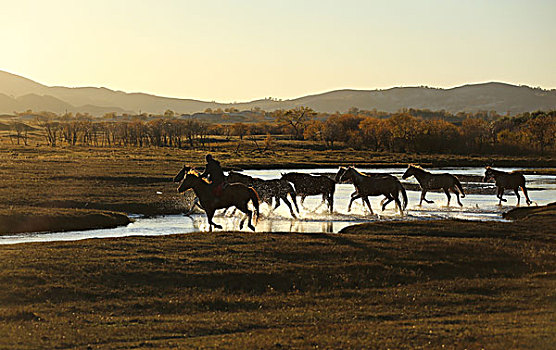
pixel 213 172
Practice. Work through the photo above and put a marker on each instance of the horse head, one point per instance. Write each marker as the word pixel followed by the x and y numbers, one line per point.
pixel 488 174
pixel 347 174
pixel 181 174
pixel 188 182
pixel 409 172
pixel 341 172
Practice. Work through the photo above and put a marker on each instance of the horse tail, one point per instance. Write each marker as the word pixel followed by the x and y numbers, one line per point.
pixel 460 188
pixel 254 196
pixel 404 194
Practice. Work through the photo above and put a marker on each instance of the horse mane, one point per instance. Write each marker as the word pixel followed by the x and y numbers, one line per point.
pixel 356 171
pixel 416 166
pixel 196 173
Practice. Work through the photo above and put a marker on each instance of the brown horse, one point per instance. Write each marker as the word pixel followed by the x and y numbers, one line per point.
pixel 236 194
pixel 505 180
pixel 355 195
pixel 312 185
pixel 429 181
pixel 375 185
pixel 268 189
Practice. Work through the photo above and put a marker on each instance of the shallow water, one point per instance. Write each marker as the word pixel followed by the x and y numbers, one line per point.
pixel 542 190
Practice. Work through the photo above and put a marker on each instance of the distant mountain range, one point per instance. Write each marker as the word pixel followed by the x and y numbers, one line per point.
pixel 20 94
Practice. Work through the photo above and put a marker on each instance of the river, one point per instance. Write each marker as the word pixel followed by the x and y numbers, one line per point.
pixel 542 190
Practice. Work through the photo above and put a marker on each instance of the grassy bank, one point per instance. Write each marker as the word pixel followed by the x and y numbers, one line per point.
pixel 448 284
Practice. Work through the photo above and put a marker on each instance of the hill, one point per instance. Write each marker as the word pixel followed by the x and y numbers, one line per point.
pixel 19 94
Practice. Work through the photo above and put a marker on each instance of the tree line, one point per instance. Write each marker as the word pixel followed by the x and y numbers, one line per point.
pixel 408 130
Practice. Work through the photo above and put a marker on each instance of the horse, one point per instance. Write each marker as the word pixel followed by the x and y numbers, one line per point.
pixel 355 194
pixel 235 194
pixel 268 189
pixel 376 185
pixel 428 181
pixel 312 185
pixel 505 180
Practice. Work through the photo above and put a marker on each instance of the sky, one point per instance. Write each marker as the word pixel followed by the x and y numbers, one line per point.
pixel 242 50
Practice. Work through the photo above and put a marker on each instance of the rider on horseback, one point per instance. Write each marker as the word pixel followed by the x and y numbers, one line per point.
pixel 213 172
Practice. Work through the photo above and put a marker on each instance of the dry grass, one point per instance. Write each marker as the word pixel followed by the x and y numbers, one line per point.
pixel 397 285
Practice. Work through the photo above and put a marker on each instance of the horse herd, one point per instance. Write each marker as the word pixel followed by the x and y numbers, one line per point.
pixel 241 189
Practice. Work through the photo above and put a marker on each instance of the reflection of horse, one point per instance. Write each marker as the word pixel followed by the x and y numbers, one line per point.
pixel 429 181
pixel 505 180
pixel 268 189
pixel 375 185
pixel 236 194
pixel 312 185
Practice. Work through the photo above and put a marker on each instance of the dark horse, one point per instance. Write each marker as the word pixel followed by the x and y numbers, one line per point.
pixel 505 180
pixel 375 185
pixel 312 185
pixel 235 194
pixel 429 181
pixel 268 189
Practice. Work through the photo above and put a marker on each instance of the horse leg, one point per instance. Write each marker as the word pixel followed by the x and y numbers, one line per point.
pixel 210 214
pixel 526 195
pixel 243 207
pixel 447 195
pixel 294 200
pixel 366 200
pixel 517 195
pixel 302 201
pixel 277 202
pixel 457 195
pixel 285 199
pixel 500 195
pixel 331 202
pixel 353 198
pixel 388 199
pixel 398 204
pixel 423 194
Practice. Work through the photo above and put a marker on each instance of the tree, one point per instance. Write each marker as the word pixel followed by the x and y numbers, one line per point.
pixel 541 129
pixel 240 130
pixel 295 120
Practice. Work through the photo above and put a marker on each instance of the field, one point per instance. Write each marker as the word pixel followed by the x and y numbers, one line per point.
pixel 450 284
pixel 384 285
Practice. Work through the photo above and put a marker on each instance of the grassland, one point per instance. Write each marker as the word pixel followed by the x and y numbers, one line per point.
pixel 403 285
pixel 382 285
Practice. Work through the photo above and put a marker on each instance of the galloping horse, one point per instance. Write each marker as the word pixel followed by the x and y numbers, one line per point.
pixel 268 189
pixel 236 194
pixel 375 185
pixel 312 185
pixel 505 180
pixel 429 181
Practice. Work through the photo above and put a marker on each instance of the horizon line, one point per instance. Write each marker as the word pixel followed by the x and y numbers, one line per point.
pixel 283 99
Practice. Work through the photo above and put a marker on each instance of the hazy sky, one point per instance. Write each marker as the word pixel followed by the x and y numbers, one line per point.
pixel 243 50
